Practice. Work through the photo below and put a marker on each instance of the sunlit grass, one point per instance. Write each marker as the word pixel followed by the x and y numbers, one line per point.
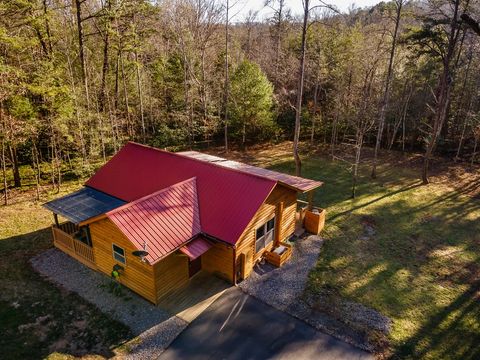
pixel 421 267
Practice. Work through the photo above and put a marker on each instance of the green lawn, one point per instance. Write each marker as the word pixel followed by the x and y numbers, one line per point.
pixel 420 265
pixel 37 319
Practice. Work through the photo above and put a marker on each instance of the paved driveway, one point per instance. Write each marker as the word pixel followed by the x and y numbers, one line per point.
pixel 237 326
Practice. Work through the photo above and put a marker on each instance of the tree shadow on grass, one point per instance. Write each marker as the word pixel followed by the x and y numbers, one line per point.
pixel 449 333
pixel 38 318
pixel 370 202
pixel 414 267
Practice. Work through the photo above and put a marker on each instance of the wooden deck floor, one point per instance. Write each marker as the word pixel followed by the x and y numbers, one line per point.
pixel 191 300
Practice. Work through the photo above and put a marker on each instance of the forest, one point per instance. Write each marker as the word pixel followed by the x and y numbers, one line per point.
pixel 80 78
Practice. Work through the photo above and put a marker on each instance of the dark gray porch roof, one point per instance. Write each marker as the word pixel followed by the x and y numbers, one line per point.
pixel 83 204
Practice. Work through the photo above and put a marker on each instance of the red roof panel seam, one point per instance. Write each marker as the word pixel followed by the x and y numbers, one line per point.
pixel 170 224
pixel 155 220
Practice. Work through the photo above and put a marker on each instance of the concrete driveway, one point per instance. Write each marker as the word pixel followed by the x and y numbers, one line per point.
pixel 237 326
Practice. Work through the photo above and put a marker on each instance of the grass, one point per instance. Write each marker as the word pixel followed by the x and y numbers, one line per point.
pixel 37 319
pixel 410 251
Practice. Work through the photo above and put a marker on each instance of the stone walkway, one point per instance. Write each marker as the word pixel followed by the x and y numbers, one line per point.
pixel 153 327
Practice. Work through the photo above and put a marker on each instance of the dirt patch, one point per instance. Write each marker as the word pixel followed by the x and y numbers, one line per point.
pixel 369 226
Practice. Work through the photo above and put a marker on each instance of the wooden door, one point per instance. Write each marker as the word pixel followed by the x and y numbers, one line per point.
pixel 194 266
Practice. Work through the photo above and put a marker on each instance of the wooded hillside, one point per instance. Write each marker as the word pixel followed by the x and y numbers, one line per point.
pixel 79 78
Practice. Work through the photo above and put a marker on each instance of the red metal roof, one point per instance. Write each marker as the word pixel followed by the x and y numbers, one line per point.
pixel 295 182
pixel 161 222
pixel 196 248
pixel 227 199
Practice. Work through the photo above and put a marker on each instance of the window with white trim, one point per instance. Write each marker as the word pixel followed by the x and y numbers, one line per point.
pixel 264 235
pixel 118 254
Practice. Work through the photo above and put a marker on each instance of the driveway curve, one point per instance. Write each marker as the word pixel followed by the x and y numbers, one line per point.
pixel 238 326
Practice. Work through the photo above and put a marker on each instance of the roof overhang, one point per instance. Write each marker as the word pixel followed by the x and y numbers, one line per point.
pixel 196 247
pixel 84 204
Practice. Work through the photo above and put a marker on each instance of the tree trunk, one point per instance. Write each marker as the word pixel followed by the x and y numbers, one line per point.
pixel 4 160
pixel 81 49
pixel 203 95
pixel 17 181
pixel 278 39
pixel 386 94
pixel 36 170
pixel 117 79
pixel 474 151
pixel 103 84
pixel 358 152
pixel 315 100
pixel 4 173
pixel 334 132
pixel 443 93
pixel 125 94
pixel 461 107
pixel 401 120
pixel 47 27
pixel 226 80
pixel 301 77
pixel 83 147
pixel 140 96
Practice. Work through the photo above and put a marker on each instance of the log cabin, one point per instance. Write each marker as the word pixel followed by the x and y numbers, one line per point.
pixel 154 218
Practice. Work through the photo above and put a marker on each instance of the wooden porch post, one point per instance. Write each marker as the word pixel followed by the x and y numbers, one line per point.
pixel 55 216
pixel 278 222
pixel 310 199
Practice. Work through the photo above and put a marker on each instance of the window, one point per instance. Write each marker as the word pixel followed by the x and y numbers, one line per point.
pixel 118 254
pixel 264 234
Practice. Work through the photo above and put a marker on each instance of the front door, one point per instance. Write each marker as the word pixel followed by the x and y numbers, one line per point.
pixel 194 266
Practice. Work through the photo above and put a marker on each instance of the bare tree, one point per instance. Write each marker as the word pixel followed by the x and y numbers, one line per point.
pixel 301 79
pixel 81 47
pixel 226 85
pixel 444 88
pixel 386 94
pixel 280 13
pixel 4 161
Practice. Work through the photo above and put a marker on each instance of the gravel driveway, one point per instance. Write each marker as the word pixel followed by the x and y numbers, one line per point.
pixel 282 287
pixel 154 328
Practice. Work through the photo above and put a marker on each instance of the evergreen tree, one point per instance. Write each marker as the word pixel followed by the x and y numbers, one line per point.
pixel 251 103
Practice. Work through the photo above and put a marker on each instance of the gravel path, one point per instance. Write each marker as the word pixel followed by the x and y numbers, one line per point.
pixel 283 288
pixel 154 328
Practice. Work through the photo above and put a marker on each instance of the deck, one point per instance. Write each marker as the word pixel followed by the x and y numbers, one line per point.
pixel 191 300
pixel 63 239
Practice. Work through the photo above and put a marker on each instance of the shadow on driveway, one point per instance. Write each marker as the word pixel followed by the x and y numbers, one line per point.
pixel 237 326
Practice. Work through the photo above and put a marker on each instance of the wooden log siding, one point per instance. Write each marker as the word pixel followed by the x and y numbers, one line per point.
pixel 218 260
pixel 281 203
pixel 170 273
pixel 137 275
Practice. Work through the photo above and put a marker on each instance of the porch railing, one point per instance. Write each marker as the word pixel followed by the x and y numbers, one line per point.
pixel 67 243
